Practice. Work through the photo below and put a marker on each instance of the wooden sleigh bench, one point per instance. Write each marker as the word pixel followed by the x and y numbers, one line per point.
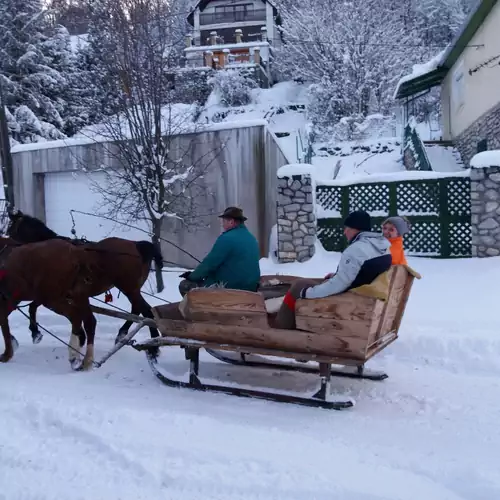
pixel 346 330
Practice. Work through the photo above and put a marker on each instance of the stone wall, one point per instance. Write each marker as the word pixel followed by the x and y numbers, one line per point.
pixel 486 127
pixel 485 210
pixel 296 219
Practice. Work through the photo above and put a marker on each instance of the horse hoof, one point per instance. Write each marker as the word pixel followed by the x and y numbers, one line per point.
pixel 15 343
pixel 37 338
pixel 5 357
pixel 76 364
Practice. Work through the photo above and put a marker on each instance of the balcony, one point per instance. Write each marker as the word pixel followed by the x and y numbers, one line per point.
pixel 233 17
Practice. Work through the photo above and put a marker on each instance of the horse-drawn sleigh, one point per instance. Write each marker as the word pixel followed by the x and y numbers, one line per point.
pixel 234 326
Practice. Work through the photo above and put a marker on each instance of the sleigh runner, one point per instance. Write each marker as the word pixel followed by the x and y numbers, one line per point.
pixel 235 327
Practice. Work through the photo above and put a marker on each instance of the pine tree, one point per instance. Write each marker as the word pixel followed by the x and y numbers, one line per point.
pixel 34 85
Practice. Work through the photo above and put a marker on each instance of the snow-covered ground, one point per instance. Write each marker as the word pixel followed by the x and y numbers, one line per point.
pixel 429 432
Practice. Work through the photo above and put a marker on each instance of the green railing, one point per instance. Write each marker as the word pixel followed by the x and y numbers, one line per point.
pixel 414 146
pixel 438 210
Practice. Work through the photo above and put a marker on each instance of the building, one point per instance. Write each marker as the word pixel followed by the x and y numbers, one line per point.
pixel 231 33
pixel 468 72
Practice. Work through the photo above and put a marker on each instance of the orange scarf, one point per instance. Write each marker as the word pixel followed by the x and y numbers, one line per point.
pixel 397 251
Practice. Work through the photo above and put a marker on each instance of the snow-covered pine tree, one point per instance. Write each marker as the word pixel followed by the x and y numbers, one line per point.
pixel 33 65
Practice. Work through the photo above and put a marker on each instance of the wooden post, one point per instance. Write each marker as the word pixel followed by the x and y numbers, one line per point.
pixel 6 156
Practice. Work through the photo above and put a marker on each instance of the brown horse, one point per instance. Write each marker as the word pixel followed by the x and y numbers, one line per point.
pixel 124 264
pixel 55 274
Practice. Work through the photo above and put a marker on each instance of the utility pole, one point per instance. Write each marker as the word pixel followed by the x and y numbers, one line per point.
pixel 6 156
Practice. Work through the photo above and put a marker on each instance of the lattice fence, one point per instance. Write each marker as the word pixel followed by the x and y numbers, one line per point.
pixel 438 209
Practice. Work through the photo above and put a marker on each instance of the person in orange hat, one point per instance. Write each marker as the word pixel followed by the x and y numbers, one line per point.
pixel 394 228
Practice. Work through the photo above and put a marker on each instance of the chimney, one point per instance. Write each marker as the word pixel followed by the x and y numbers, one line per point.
pixel 263 33
pixel 256 55
pixel 239 35
pixel 189 40
pixel 208 58
pixel 213 38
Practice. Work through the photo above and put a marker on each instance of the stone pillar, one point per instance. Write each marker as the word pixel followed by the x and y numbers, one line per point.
pixel 485 211
pixel 296 219
pixel 189 40
pixel 263 34
pixel 208 58
pixel 238 34
pixel 256 55
pixel 213 38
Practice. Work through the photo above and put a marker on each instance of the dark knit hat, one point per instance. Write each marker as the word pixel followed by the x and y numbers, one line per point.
pixel 359 220
pixel 401 224
pixel 233 213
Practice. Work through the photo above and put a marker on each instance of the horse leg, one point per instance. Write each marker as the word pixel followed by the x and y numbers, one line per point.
pixel 36 334
pixel 7 338
pixel 74 355
pixel 89 323
pixel 126 326
pixel 140 306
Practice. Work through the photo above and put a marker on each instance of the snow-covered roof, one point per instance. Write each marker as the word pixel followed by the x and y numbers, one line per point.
pixel 421 70
pixel 486 159
pixel 433 74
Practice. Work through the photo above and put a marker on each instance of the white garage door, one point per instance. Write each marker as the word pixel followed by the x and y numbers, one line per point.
pixel 66 191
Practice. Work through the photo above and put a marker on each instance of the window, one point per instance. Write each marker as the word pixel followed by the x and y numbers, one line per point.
pixel 482 145
pixel 458 87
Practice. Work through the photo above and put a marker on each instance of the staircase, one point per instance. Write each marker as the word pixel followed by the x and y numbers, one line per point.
pixel 443 156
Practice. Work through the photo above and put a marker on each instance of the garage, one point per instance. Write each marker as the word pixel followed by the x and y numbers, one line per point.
pixel 66 191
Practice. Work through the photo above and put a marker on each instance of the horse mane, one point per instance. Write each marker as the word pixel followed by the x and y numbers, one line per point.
pixel 38 227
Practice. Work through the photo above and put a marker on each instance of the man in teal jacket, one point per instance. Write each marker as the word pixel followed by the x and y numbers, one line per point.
pixel 233 261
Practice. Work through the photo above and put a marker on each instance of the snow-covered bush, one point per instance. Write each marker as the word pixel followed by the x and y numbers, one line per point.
pixel 234 88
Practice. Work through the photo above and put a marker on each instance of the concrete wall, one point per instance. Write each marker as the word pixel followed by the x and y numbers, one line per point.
pixel 480 91
pixel 243 174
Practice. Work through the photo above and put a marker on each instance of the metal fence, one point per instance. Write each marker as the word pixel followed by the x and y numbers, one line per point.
pixel 417 148
pixel 439 211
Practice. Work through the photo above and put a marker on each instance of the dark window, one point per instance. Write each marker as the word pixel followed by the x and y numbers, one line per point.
pixel 482 145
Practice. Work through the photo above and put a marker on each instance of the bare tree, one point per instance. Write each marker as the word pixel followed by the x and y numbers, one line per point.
pixel 154 172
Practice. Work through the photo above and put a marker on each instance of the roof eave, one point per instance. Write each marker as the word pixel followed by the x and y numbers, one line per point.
pixel 421 83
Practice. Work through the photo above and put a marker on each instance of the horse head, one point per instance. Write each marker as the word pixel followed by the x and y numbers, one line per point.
pixel 27 229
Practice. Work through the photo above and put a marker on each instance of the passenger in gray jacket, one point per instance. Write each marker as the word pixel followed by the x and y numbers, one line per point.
pixel 366 257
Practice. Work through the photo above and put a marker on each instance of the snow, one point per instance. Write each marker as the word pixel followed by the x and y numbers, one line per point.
pixel 78 42
pixel 486 159
pixel 429 431
pixel 296 169
pixel 406 175
pixel 444 158
pixel 421 69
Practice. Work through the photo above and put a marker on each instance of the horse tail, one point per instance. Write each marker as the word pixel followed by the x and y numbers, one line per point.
pixel 149 252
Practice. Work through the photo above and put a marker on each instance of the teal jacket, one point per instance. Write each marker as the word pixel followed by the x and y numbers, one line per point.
pixel 233 261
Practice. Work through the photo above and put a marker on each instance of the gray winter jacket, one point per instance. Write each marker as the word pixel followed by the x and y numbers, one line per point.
pixel 362 261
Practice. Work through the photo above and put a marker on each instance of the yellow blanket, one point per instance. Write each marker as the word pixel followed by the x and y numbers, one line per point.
pixel 379 288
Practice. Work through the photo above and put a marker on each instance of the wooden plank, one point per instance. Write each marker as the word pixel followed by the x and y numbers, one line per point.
pixel 402 305
pixel 346 306
pixel 270 338
pixel 120 315
pixel 175 341
pixel 225 307
pixel 395 297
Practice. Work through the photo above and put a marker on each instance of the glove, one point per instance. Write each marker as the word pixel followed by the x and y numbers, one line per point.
pixel 186 275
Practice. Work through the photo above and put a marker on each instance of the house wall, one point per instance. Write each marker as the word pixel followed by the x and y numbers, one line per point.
pixel 243 173
pixel 210 9
pixel 476 115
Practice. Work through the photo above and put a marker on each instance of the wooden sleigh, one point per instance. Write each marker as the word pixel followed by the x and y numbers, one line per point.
pixel 234 326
